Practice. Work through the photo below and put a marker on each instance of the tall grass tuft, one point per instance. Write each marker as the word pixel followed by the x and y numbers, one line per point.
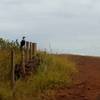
pixel 53 73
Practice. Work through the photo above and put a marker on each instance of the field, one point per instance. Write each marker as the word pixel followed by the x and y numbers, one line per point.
pixel 57 77
pixel 53 73
pixel 86 82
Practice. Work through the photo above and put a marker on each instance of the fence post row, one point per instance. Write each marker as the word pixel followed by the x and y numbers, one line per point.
pixel 27 51
pixel 12 70
pixel 30 51
pixel 23 60
pixel 34 48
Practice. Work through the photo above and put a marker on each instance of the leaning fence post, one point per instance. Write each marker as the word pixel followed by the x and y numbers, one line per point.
pixel 23 60
pixel 12 70
pixel 30 51
pixel 13 74
pixel 34 48
pixel 27 51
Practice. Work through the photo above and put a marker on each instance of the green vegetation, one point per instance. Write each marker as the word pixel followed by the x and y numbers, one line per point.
pixel 6 44
pixel 53 73
pixel 5 67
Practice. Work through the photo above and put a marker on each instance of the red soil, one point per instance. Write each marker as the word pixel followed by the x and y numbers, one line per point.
pixel 86 82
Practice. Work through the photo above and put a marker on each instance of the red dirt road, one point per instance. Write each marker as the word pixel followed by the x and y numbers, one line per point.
pixel 86 82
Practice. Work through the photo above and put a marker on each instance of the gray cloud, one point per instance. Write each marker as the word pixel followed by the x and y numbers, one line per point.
pixel 65 23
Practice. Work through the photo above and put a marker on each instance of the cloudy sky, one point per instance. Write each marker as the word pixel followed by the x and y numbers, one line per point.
pixel 66 26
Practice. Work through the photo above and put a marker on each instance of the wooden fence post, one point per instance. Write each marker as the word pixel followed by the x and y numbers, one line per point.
pixel 30 51
pixel 34 48
pixel 12 70
pixel 23 60
pixel 27 51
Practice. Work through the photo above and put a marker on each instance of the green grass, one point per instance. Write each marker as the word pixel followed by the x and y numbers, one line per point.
pixel 53 73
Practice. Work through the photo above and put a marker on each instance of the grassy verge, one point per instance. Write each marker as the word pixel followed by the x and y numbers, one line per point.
pixel 5 76
pixel 53 73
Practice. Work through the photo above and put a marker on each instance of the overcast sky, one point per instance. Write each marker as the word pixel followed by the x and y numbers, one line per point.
pixel 67 26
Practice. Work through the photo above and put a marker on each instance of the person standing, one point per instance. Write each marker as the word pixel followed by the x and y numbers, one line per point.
pixel 22 43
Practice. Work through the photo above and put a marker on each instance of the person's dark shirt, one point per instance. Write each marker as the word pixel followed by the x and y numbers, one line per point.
pixel 22 43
